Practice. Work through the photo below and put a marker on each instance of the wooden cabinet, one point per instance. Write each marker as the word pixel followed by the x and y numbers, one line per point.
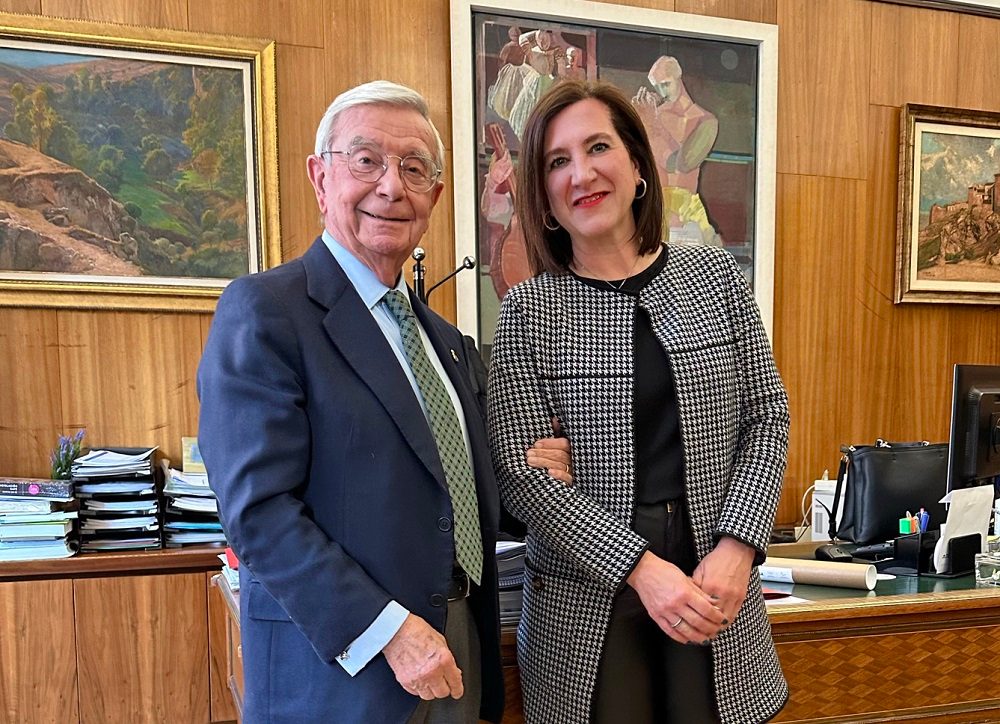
pixel 113 638
pixel 225 608
pixel 38 652
pixel 229 601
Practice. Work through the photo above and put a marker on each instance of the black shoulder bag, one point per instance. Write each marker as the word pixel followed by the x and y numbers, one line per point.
pixel 877 484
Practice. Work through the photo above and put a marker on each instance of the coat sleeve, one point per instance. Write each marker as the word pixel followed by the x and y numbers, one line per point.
pixel 255 436
pixel 762 442
pixel 567 521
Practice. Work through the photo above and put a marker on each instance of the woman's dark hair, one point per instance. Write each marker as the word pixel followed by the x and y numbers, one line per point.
pixel 552 251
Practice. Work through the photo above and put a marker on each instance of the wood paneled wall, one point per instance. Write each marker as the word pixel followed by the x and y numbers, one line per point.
pixel 857 366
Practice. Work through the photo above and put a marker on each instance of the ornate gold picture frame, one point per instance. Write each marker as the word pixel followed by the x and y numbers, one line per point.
pixel 948 222
pixel 138 166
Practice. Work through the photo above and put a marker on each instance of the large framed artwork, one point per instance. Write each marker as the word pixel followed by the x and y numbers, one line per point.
pixel 948 224
pixel 138 166
pixel 708 87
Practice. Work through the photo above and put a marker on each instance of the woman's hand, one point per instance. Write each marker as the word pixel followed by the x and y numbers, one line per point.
pixel 724 574
pixel 683 611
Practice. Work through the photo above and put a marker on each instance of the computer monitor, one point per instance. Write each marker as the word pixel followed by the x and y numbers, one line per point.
pixel 974 447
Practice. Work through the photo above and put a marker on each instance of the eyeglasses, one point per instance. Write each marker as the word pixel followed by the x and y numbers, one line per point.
pixel 368 162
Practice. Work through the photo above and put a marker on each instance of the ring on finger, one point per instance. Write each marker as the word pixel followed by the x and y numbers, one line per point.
pixel 678 622
pixel 567 468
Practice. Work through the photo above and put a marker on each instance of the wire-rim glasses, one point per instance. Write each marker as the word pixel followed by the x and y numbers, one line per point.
pixel 367 162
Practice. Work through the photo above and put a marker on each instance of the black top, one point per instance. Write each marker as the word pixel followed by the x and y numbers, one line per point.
pixel 659 454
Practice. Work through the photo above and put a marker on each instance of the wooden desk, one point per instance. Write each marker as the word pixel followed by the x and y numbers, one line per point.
pixel 913 650
pixel 922 650
pixel 113 637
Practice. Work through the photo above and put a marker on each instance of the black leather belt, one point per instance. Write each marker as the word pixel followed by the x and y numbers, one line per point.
pixel 458 588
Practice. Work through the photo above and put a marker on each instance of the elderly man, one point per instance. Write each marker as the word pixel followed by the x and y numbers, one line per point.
pixel 344 437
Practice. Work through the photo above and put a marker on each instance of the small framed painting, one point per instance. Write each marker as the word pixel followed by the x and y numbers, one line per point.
pixel 948 228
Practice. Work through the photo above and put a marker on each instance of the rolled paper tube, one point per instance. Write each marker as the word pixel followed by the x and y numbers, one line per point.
pixel 819 573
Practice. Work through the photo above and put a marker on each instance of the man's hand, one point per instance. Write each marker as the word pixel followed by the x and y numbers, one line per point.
pixel 422 661
pixel 683 611
pixel 552 454
pixel 724 574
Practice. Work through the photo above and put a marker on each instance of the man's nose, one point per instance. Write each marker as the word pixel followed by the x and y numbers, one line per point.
pixel 391 184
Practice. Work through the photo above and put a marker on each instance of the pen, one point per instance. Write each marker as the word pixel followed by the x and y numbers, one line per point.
pixel 925 518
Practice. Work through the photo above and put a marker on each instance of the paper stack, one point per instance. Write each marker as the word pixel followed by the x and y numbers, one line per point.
pixel 192 513
pixel 119 500
pixel 36 519
pixel 230 569
pixel 510 567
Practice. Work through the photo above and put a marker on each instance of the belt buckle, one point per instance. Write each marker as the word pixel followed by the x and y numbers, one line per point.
pixel 460 586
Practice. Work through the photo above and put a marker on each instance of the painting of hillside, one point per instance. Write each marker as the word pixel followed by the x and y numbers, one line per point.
pixel 112 165
pixel 959 222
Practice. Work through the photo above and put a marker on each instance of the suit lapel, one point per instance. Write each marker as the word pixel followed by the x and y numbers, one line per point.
pixel 359 340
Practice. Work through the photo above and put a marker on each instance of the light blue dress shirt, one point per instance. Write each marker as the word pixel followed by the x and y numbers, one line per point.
pixel 368 645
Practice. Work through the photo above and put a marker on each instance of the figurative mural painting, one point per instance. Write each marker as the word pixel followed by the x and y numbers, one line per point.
pixel 697 98
pixel 113 164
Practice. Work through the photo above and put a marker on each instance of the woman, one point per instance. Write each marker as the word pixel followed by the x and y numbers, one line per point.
pixel 642 601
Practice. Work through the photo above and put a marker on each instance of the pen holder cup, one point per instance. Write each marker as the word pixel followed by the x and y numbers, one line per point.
pixel 913 554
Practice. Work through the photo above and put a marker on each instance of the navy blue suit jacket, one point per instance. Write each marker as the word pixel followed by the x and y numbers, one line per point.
pixel 331 490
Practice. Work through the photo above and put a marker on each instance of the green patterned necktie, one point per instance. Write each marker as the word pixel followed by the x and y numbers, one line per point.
pixel 448 436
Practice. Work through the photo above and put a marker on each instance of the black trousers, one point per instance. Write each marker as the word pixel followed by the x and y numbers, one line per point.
pixel 645 676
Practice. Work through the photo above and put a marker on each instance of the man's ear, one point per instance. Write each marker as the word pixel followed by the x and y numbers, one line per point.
pixel 436 193
pixel 317 169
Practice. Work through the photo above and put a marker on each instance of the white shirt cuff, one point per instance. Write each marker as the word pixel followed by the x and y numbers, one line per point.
pixel 367 646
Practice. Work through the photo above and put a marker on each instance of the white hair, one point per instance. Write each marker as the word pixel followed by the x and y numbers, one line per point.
pixel 376 92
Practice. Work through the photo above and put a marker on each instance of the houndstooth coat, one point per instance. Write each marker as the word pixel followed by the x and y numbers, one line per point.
pixel 565 348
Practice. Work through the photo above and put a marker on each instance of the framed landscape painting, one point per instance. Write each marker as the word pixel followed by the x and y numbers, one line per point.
pixel 705 87
pixel 138 167
pixel 948 230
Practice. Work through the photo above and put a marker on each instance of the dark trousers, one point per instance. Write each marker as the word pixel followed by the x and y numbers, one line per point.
pixel 644 676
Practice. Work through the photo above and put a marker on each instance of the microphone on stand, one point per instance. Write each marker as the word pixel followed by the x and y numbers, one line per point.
pixel 468 262
pixel 418 273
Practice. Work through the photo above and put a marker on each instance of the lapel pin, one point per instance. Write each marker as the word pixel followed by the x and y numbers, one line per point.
pixel 454 356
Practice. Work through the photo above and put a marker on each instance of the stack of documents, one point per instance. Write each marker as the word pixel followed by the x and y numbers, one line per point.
pixel 230 569
pixel 192 513
pixel 119 499
pixel 36 519
pixel 510 566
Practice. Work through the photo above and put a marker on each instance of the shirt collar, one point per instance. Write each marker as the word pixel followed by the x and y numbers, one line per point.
pixel 368 286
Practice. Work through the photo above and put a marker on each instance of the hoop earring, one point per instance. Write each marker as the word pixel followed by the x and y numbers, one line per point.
pixel 545 221
pixel 645 188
